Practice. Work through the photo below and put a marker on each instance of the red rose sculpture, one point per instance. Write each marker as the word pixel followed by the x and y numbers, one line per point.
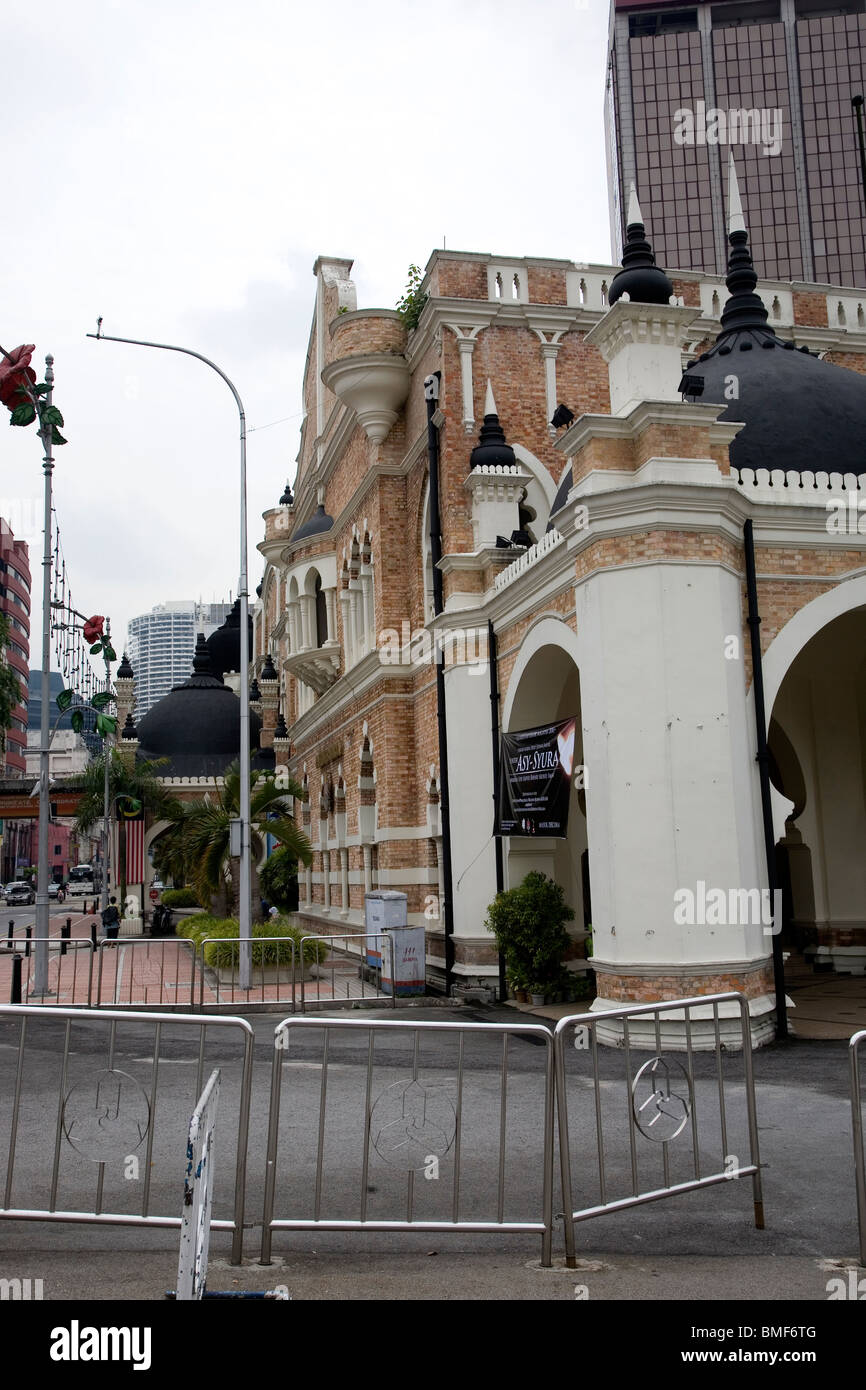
pixel 93 628
pixel 15 372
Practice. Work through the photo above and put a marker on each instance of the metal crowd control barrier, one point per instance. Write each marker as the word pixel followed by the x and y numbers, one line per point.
pixel 349 966
pixel 427 1139
pixel 270 984
pixel 122 1114
pixel 857 1127
pixel 660 1101
pixel 70 969
pixel 139 974
pixel 198 1195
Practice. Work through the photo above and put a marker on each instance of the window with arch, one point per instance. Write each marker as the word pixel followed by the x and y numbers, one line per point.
pixel 321 613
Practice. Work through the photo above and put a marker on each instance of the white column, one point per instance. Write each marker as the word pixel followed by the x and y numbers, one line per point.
pixel 326 869
pixel 344 882
pixel 331 610
pixel 367 607
pixel 368 868
pixel 355 596
pixel 348 632
pixel 308 880
pixel 307 621
pixel 467 347
pixel 548 352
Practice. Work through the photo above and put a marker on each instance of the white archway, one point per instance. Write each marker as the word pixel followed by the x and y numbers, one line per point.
pixel 799 630
pixel 545 686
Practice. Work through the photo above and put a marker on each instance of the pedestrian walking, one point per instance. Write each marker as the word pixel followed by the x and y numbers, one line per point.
pixel 110 920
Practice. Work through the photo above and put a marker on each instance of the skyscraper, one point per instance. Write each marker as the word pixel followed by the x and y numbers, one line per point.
pixel 771 80
pixel 162 643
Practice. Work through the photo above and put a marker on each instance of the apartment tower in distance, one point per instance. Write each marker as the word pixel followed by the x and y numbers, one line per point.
pixel 15 605
pixel 770 80
pixel 162 643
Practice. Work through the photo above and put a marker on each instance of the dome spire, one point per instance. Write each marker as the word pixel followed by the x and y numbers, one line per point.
pixel 745 309
pixel 640 278
pixel 492 450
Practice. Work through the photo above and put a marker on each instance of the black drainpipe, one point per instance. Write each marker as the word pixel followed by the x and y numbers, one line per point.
pixel 494 735
pixel 763 761
pixel 431 395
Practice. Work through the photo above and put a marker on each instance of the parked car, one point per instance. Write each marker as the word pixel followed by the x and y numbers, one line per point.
pixel 20 893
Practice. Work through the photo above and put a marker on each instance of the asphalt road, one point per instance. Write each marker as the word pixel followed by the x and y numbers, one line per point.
pixel 702 1243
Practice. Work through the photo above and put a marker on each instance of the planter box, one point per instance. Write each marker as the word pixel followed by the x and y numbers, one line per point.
pixel 262 974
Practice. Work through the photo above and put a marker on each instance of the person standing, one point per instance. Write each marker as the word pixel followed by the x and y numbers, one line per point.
pixel 110 920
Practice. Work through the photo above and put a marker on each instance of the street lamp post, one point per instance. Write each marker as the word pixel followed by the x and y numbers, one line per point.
pixel 40 981
pixel 106 808
pixel 245 909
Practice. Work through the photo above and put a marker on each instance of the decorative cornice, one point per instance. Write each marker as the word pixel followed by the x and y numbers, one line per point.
pixel 628 322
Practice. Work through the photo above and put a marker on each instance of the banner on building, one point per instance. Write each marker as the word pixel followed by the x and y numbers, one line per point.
pixel 535 772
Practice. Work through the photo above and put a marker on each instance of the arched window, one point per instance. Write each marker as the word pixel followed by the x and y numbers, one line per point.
pixel 321 614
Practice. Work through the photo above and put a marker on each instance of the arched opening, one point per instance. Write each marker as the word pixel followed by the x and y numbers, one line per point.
pixel 321 613
pixel 548 690
pixel 817 744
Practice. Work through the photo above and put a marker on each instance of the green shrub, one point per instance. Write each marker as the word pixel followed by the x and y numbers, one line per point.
pixel 278 880
pixel 222 954
pixel 193 927
pixel 180 897
pixel 529 925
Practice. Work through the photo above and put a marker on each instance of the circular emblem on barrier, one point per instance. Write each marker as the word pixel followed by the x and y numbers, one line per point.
pixel 661 1099
pixel 106 1116
pixel 412 1121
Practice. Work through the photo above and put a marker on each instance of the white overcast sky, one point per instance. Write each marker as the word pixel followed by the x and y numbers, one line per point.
pixel 177 167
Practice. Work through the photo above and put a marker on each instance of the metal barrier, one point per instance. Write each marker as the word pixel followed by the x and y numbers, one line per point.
pixel 126 1114
pixel 269 984
pixel 857 1128
pixel 138 976
pixel 657 1103
pixel 70 969
pixel 198 1195
pixel 356 968
pixel 420 1123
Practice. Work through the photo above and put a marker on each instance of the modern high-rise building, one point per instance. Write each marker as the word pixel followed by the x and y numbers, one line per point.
pixel 162 644
pixel 769 80
pixel 15 605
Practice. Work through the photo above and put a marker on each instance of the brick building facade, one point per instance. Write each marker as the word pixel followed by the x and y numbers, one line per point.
pixel 617 614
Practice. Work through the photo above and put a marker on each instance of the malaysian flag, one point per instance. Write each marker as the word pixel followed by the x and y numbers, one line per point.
pixel 133 827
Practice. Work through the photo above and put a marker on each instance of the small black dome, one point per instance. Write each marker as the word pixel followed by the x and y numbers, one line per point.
pixel 255 693
pixel 640 278
pixel 224 645
pixel 318 523
pixel 129 730
pixel 281 731
pixel 492 450
pixel 124 670
pixel 269 670
pixel 287 500
pixel 197 726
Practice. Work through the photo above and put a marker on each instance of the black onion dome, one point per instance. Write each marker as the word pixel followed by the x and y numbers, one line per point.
pixel 124 670
pixel 281 731
pixel 129 730
pixel 269 670
pixel 287 499
pixel 640 277
pixel 318 523
pixel 255 693
pixel 224 645
pixel 197 726
pixel 800 413
pixel 491 451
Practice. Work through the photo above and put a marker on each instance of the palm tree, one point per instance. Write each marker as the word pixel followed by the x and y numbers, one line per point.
pixel 138 782
pixel 197 846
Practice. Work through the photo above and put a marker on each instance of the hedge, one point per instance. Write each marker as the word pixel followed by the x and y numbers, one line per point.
pixel 222 954
pixel 180 897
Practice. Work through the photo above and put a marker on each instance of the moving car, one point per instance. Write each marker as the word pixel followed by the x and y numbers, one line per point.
pixel 20 893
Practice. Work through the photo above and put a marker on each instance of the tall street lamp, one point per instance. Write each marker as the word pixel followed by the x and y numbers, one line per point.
pixel 43 927
pixel 245 911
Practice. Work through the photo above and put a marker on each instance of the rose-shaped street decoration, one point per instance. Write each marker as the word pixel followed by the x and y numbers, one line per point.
pixel 93 628
pixel 16 375
pixel 23 396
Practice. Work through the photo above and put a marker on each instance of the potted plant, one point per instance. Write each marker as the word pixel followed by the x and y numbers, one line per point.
pixel 528 923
